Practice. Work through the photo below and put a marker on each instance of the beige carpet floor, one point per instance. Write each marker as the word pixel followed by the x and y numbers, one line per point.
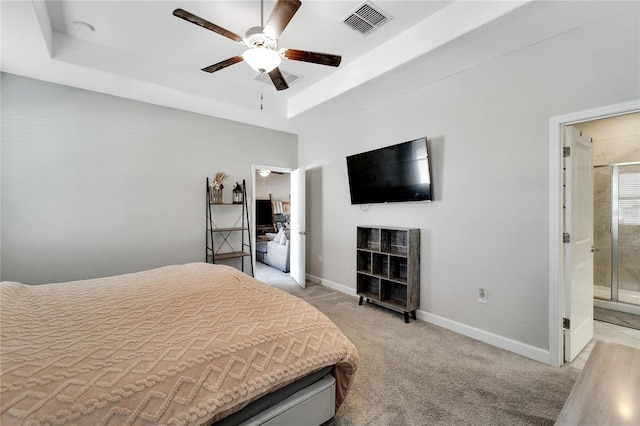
pixel 421 374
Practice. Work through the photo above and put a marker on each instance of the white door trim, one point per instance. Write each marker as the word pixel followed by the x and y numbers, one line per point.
pixel 556 262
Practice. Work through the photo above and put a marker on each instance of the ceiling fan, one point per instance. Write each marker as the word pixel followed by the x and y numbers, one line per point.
pixel 262 52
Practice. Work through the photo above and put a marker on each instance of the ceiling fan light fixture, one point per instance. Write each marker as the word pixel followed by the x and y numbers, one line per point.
pixel 261 59
pixel 262 54
pixel 264 172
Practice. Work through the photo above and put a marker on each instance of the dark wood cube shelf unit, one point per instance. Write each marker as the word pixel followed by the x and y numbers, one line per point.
pixel 388 268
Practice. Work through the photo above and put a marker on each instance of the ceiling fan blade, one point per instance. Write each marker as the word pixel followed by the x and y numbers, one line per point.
pixel 278 79
pixel 190 17
pixel 223 64
pixel 282 13
pixel 314 57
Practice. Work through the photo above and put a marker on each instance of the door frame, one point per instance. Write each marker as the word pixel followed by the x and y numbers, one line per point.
pixel 556 259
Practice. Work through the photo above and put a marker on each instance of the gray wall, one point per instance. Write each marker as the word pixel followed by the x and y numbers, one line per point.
pixel 96 185
pixel 488 226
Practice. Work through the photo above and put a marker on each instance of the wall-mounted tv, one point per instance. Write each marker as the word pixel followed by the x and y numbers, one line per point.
pixel 263 213
pixel 392 174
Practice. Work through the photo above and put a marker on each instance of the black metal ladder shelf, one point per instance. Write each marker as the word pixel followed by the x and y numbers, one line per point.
pixel 222 248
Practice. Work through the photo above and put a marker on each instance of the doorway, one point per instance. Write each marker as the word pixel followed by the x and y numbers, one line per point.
pixel 617 216
pixel 556 227
pixel 272 212
pixel 278 210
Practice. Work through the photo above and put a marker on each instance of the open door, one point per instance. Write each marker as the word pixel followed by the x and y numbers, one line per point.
pixel 578 247
pixel 298 230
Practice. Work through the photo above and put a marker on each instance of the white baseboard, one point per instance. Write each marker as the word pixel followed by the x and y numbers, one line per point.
pixel 339 287
pixel 511 345
pixel 502 342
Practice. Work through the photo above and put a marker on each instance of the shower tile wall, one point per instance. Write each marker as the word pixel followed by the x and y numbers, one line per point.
pixel 629 249
pixel 616 150
pixel 601 226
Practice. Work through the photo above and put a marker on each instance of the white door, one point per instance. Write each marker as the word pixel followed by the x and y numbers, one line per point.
pixel 298 230
pixel 578 254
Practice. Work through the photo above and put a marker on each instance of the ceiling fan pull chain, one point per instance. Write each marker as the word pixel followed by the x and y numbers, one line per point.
pixel 261 99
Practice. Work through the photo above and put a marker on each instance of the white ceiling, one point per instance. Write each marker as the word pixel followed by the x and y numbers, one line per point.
pixel 139 50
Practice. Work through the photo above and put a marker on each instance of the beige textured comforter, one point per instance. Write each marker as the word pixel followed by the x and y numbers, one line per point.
pixel 180 344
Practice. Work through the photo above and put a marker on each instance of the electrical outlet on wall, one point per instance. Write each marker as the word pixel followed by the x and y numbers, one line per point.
pixel 483 295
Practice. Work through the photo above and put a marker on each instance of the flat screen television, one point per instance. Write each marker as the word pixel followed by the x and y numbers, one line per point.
pixel 391 174
pixel 263 213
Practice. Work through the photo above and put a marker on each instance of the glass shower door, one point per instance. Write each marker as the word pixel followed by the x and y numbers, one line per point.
pixel 627 217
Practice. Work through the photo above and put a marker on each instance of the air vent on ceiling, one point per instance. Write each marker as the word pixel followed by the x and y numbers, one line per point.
pixel 366 18
pixel 288 77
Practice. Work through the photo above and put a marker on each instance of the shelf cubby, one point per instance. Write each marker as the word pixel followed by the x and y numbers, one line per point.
pixel 380 265
pixel 368 287
pixel 394 293
pixel 364 262
pixel 398 268
pixel 394 241
pixel 369 239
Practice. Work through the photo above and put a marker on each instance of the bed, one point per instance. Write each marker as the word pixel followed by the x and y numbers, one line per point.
pixel 186 344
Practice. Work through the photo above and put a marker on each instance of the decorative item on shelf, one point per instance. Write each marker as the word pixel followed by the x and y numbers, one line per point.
pixel 237 194
pixel 216 188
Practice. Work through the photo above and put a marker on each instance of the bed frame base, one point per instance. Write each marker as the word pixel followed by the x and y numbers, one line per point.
pixel 311 406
